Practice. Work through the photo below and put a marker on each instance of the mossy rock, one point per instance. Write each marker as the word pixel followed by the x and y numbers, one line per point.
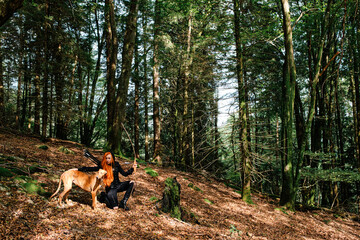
pixel 65 150
pixel 33 188
pixel 151 172
pixel 171 198
pixel 43 147
pixel 4 172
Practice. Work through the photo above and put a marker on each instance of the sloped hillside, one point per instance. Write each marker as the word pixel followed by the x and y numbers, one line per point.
pixel 217 211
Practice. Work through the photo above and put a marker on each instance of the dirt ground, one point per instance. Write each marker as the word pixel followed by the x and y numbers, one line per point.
pixel 219 211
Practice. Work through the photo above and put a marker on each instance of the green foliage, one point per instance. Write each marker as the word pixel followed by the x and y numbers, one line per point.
pixel 151 172
pixel 208 201
pixel 333 175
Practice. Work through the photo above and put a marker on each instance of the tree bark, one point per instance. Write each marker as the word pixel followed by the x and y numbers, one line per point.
pixel 287 198
pixel 146 90
pixel 2 92
pixel 37 90
pixel 127 57
pixel 45 100
pixel 111 59
pixel 156 79
pixel 244 144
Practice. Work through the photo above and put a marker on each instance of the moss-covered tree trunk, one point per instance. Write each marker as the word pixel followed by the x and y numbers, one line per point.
pixel 244 143
pixel 171 198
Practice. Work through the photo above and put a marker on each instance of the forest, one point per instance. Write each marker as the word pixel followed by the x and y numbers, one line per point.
pixel 261 94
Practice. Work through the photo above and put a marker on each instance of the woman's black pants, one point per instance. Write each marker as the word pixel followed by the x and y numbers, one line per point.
pixel 111 199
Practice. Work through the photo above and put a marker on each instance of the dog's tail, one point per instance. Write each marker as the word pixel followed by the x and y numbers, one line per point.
pixel 57 190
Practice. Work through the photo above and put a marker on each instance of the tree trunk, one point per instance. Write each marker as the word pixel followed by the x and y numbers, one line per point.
pixel 127 56
pixel 37 90
pixel 288 192
pixel 111 59
pixel 186 124
pixel 20 76
pixel 244 144
pixel 2 92
pixel 45 100
pixel 146 91
pixel 156 79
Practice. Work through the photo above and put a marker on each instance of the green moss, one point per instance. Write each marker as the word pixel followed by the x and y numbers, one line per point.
pixel 33 188
pixel 176 213
pixel 191 185
pixel 208 201
pixel 171 201
pixel 65 150
pixel 44 147
pixel 151 172
pixel 4 172
pixel 152 199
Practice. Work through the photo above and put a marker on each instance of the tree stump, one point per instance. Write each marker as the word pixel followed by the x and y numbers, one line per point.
pixel 171 198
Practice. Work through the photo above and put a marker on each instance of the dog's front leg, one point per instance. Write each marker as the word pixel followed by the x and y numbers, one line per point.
pixel 93 195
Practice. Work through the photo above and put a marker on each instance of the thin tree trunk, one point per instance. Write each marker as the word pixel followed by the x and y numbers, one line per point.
pixel 156 79
pixel 146 91
pixel 186 134
pixel 45 100
pixel 20 76
pixel 37 91
pixel 244 144
pixel 2 92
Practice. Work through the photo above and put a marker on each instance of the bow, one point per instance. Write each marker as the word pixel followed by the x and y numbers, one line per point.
pixel 87 154
pixel 135 164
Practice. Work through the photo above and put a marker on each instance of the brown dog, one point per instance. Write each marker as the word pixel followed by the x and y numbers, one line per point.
pixel 90 183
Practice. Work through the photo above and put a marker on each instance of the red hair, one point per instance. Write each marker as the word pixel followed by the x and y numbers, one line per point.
pixel 109 177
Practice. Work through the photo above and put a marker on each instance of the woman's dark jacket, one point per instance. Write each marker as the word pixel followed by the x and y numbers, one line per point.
pixel 116 170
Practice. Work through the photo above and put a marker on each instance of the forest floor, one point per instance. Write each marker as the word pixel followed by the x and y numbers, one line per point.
pixel 219 211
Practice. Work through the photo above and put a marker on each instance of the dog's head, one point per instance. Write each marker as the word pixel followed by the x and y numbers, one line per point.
pixel 101 173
